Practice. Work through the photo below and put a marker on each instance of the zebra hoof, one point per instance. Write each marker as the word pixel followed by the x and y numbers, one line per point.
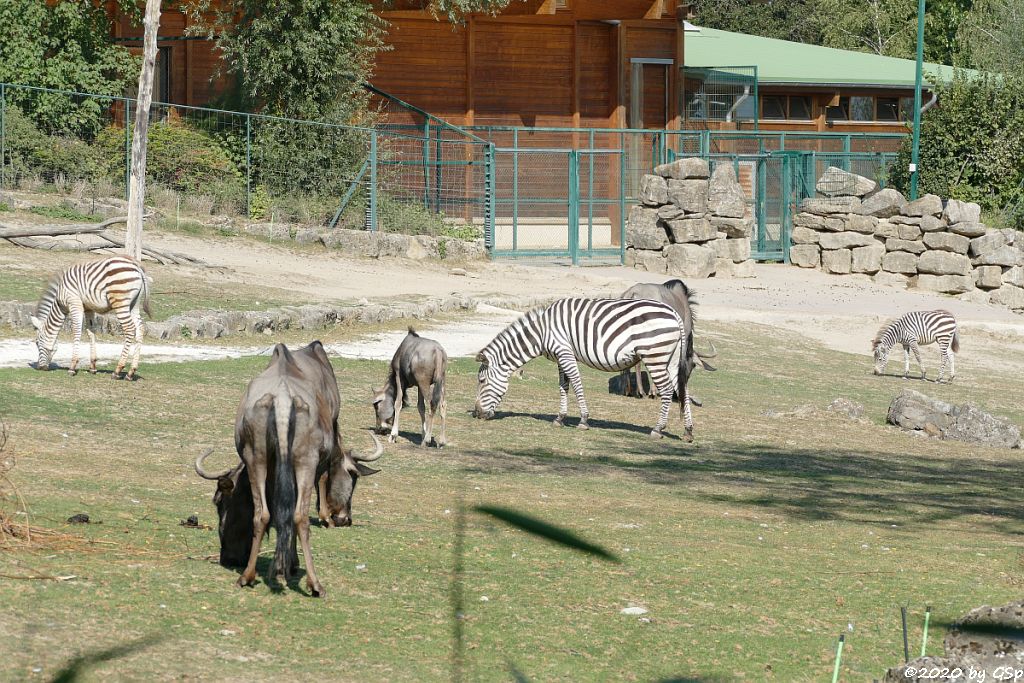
pixel 72 372
pixel 655 434
pixel 583 425
pixel 688 436
pixel 559 421
pixel 92 371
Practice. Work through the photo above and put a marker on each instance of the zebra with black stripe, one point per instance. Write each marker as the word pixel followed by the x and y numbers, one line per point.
pixel 115 284
pixel 605 334
pixel 914 329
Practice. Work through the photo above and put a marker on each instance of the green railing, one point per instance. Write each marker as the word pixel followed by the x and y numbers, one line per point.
pixel 204 161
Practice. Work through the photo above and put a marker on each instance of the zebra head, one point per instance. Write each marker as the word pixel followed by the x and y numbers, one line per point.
pixel 46 343
pixel 491 385
pixel 881 351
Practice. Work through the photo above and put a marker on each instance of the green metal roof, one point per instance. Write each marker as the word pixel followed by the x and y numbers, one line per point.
pixel 785 62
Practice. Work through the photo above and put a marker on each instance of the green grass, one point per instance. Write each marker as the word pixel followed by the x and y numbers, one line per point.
pixel 63 212
pixel 752 548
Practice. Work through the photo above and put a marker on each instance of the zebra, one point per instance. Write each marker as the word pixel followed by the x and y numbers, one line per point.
pixel 117 283
pixel 918 327
pixel 605 334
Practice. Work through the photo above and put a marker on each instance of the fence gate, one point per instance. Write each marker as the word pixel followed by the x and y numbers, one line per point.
pixel 559 203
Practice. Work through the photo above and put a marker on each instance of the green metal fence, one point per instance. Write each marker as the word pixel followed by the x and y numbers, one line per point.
pixel 204 161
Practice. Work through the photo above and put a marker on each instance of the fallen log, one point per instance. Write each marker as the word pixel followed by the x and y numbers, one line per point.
pixel 7 232
pixel 162 257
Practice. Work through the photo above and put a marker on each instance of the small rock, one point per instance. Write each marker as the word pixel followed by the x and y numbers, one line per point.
pixel 633 611
pixel 80 518
pixel 458 271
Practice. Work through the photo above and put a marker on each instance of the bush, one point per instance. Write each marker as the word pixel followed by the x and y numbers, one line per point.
pixel 177 156
pixel 972 146
pixel 30 152
pixel 408 218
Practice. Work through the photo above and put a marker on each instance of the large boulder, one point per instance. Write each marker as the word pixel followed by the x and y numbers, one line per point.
pixel 947 241
pixel 969 229
pixel 914 411
pixel 1014 276
pixel 884 203
pixel 690 260
pixel 837 261
pixel 911 246
pixel 987 243
pixel 888 279
pixel 684 169
pixel 973 425
pixel 909 232
pixel 1009 296
pixel 835 181
pixel 988 277
pixel 830 205
pixel 643 230
pixel 802 235
pixel 653 190
pixel 651 261
pixel 928 205
pixel 900 262
pixel 733 227
pixel 867 259
pixel 805 255
pixel 943 263
pixel 689 195
pixel 725 195
pixel 844 240
pixel 668 212
pixel 946 284
pixel 809 220
pixel 737 249
pixel 858 223
pixel 1004 256
pixel 886 229
pixel 744 269
pixel 691 230
pixel 931 224
pixel 957 211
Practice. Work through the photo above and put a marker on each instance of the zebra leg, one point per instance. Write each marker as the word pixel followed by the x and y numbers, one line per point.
pixel 92 352
pixel 663 381
pixel 137 348
pixel 568 367
pixel 687 417
pixel 77 312
pixel 124 318
pixel 563 397
pixel 917 355
pixel 906 361
pixel 952 365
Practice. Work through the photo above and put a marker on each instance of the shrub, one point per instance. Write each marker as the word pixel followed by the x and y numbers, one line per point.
pixel 178 156
pixel 29 151
pixel 407 217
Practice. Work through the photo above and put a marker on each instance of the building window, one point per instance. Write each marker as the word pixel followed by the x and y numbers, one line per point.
pixel 888 109
pixel 862 108
pixel 840 112
pixel 783 107
pixel 906 108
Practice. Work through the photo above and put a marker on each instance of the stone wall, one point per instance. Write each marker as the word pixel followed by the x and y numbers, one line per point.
pixel 690 222
pixel 854 227
pixel 375 244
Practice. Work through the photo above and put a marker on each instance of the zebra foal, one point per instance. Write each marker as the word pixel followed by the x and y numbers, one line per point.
pixel 914 329
pixel 115 284
pixel 605 334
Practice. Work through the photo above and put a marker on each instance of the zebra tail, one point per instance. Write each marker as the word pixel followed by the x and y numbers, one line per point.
pixel 285 491
pixel 145 296
pixel 956 341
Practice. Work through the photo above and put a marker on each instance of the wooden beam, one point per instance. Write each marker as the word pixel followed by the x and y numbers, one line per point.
pixel 675 80
pixel 620 78
pixel 656 10
pixel 470 63
pixel 575 78
pixel 548 7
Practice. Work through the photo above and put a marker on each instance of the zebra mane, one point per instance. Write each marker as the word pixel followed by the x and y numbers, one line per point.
pixel 48 298
pixel 531 316
pixel 878 337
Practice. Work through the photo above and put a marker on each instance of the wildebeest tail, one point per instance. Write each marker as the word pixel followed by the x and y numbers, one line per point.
pixel 285 489
pixel 955 345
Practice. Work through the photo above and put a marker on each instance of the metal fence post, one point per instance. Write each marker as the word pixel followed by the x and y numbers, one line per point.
pixel 248 166
pixel 3 137
pixel 371 206
pixel 489 192
pixel 574 206
pixel 622 198
pixel 515 190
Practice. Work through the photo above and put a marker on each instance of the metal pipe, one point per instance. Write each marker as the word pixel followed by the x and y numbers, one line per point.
pixel 737 103
pixel 930 103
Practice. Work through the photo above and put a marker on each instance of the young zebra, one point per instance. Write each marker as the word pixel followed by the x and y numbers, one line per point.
pixel 912 329
pixel 117 283
pixel 605 334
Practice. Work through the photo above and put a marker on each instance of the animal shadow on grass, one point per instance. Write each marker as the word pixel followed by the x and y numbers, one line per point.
pixel 414 438
pixel 276 586
pixel 84 371
pixel 80 665
pixel 595 423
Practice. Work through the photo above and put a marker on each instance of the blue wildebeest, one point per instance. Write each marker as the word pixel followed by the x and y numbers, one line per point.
pixel 676 294
pixel 418 362
pixel 286 434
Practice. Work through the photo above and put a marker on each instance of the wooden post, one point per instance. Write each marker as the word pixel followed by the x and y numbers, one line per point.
pixel 137 185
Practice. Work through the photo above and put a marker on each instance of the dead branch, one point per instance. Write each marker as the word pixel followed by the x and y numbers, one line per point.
pixel 7 231
pixel 163 257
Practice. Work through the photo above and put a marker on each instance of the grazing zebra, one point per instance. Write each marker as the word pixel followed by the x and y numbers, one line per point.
pixel 117 283
pixel 605 334
pixel 912 329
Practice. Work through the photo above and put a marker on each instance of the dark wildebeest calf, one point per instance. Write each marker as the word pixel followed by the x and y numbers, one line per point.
pixel 420 362
pixel 286 433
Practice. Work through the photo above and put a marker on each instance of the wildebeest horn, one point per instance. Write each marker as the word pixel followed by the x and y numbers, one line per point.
pixel 376 454
pixel 203 473
pixel 712 354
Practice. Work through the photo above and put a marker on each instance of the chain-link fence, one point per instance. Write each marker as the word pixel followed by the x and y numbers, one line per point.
pixel 722 94
pixel 204 162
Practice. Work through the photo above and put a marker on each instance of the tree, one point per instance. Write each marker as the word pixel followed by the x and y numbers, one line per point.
pixel 991 36
pixel 882 27
pixel 137 185
pixel 796 20
pixel 66 46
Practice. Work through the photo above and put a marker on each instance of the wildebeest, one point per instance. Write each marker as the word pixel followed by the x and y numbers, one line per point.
pixel 336 480
pixel 286 434
pixel 418 362
pixel 676 294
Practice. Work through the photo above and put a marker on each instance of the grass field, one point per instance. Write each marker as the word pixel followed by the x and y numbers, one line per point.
pixel 752 549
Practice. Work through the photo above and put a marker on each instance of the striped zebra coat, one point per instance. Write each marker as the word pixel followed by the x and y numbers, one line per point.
pixel 115 284
pixel 605 334
pixel 914 329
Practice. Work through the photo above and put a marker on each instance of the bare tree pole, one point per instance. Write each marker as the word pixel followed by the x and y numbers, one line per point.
pixel 137 186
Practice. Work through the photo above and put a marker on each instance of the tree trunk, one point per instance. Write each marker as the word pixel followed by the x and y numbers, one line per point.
pixel 137 186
